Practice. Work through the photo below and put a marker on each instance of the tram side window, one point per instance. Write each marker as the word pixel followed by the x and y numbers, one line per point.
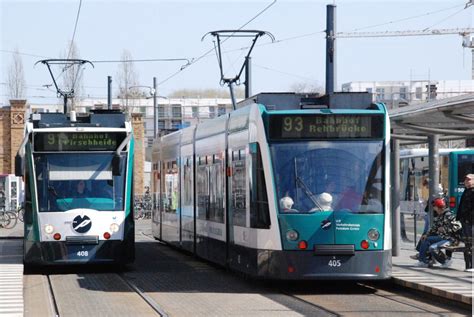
pixel 465 166
pixel 171 192
pixel 188 183
pixel 238 189
pixel 259 212
pixel 202 188
pixel 28 217
pixel 156 192
pixel 216 190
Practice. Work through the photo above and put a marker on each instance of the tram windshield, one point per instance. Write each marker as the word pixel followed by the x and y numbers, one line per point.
pixel 329 176
pixel 66 181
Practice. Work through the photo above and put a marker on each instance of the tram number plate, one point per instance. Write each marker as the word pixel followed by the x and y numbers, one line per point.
pixel 334 263
pixel 80 252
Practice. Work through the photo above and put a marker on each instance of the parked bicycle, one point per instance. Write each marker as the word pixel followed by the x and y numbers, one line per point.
pixel 143 205
pixel 8 219
pixel 4 219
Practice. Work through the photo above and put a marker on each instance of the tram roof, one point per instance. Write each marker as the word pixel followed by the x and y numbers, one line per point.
pixel 450 117
pixel 96 118
pixel 297 101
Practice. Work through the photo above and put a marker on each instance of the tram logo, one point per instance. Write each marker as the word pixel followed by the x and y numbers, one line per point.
pixel 325 224
pixel 81 224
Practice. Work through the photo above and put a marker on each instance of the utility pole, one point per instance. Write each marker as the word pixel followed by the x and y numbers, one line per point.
pixel 155 110
pixel 330 48
pixel 109 92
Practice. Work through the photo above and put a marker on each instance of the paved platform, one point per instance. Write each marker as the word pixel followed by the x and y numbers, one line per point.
pixel 450 283
pixel 11 277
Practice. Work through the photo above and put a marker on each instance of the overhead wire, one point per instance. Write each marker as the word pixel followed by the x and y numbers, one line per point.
pixel 323 31
pixel 442 20
pixel 25 54
pixel 142 60
pixel 71 44
pixel 192 61
pixel 407 18
pixel 75 28
pixel 282 72
pixel 195 60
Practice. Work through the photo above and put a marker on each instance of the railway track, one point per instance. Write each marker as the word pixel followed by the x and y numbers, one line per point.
pixel 171 283
pixel 92 294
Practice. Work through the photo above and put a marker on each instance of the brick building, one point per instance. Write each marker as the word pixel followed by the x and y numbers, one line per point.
pixel 12 123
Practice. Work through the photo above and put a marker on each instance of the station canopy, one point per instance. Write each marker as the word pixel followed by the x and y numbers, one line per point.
pixel 451 118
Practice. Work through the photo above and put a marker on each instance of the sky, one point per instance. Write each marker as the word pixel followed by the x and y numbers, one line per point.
pixel 174 29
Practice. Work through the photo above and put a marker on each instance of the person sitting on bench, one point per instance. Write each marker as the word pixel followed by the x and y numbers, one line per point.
pixel 444 232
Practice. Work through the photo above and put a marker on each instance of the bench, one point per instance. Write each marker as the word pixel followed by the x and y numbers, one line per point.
pixel 460 247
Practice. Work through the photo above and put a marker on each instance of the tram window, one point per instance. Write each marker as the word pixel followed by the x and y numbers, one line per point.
pixel 216 193
pixel 171 192
pixel 202 184
pixel 28 217
pixel 239 192
pixel 259 212
pixel 351 172
pixel 188 183
pixel 465 166
pixel 59 175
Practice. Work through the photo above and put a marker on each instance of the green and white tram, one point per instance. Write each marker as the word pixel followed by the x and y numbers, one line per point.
pixel 78 188
pixel 285 187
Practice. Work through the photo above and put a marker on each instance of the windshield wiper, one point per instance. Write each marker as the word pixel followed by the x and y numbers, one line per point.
pixel 306 189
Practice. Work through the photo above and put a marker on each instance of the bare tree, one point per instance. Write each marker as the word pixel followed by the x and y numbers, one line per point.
pixel 305 87
pixel 16 77
pixel 72 75
pixel 127 82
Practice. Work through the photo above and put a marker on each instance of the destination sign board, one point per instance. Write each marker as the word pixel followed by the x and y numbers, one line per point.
pixel 325 126
pixel 77 141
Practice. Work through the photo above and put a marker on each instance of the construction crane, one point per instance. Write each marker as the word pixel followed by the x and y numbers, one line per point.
pixel 464 32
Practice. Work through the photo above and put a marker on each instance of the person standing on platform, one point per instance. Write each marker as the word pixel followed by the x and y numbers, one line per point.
pixel 464 215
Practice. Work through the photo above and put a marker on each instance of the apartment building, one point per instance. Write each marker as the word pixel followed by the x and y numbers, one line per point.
pixel 402 93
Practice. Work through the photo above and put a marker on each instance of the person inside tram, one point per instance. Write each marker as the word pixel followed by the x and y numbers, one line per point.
pixel 79 195
pixel 445 231
pixel 323 202
pixel 80 189
pixel 286 204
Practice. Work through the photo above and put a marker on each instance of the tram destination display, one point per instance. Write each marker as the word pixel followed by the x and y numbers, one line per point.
pixel 322 126
pixel 77 141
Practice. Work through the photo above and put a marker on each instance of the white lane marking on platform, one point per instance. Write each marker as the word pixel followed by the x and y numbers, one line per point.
pixel 11 290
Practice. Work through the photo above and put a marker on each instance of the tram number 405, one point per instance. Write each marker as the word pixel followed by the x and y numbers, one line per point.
pixel 82 253
pixel 334 263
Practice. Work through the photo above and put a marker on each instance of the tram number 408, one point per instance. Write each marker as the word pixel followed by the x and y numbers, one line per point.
pixel 82 253
pixel 334 263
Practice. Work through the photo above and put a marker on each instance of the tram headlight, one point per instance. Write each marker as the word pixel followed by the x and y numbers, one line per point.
pixel 292 235
pixel 48 229
pixel 373 234
pixel 114 227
